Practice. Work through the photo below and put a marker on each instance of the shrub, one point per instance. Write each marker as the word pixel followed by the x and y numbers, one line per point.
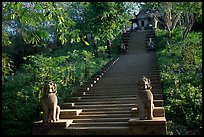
pixel 180 65
pixel 22 91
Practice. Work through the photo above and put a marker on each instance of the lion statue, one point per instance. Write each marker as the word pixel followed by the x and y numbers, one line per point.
pixel 145 99
pixel 49 100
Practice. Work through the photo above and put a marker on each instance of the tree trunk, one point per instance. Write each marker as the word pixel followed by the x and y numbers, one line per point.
pixel 188 21
pixel 108 48
pixel 57 42
pixel 95 48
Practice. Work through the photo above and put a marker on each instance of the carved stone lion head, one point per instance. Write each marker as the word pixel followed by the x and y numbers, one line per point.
pixel 50 87
pixel 144 84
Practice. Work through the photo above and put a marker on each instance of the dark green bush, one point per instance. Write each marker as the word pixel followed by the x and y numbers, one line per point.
pixel 181 79
pixel 22 91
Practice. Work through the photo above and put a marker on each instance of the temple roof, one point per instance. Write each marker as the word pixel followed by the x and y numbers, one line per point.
pixel 141 15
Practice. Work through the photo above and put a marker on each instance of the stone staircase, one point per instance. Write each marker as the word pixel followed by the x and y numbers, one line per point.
pixel 150 34
pixel 107 104
pixel 126 37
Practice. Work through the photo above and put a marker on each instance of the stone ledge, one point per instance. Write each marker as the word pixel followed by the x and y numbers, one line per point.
pixel 157 126
pixel 66 105
pixel 73 99
pixel 61 123
pixel 155 121
pixel 157 112
pixel 54 128
pixel 69 113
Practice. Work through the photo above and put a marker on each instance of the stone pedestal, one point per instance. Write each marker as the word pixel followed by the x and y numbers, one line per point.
pixel 157 126
pixel 55 128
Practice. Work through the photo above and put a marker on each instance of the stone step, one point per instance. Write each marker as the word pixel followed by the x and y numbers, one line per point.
pixel 69 113
pixel 115 81
pixel 66 105
pixel 104 105
pixel 92 97
pixel 54 128
pixel 157 111
pixel 130 78
pixel 60 123
pixel 87 120
pixel 124 108
pixel 121 87
pixel 106 112
pixel 138 37
pixel 106 102
pixel 97 130
pixel 102 97
pixel 105 116
pixel 118 78
pixel 118 87
pixel 125 74
pixel 124 81
pixel 123 66
pixel 134 42
pixel 159 102
pixel 113 91
pixel 100 124
pixel 125 85
pixel 106 98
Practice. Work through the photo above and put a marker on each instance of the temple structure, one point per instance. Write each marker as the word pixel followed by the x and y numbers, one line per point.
pixel 143 21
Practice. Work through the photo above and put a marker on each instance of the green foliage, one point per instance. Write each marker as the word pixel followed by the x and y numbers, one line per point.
pixel 36 21
pixel 179 129
pixel 181 79
pixel 19 103
pixel 175 14
pixel 7 65
pixel 104 19
pixel 22 91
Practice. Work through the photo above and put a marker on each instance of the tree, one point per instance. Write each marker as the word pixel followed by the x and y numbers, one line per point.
pixel 98 21
pixel 173 14
pixel 27 25
pixel 34 19
pixel 105 20
pixel 191 11
pixel 165 13
pixel 78 15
